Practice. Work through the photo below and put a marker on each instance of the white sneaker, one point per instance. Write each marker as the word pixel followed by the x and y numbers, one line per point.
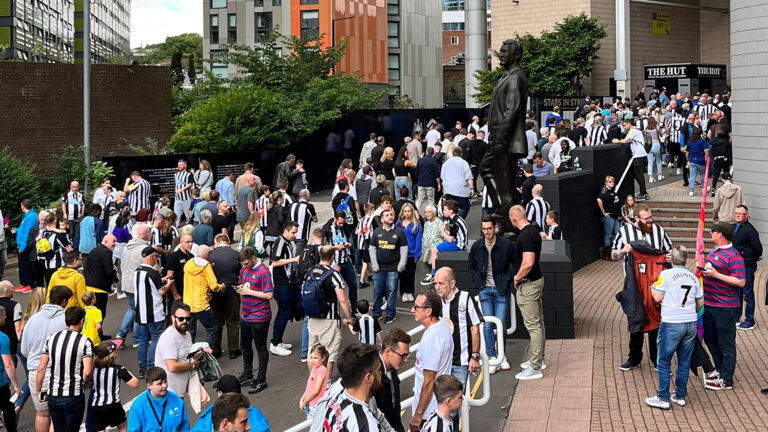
pixel 657 403
pixel 679 402
pixel 492 369
pixel 661 177
pixel 527 364
pixel 505 365
pixel 384 305
pixel 651 180
pixel 404 298
pixel 279 350
pixel 285 345
pixel 121 295
pixel 529 374
pixel 410 298
pixel 679 171
pixel 690 193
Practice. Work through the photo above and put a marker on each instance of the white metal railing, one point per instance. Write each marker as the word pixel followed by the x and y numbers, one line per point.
pixel 486 376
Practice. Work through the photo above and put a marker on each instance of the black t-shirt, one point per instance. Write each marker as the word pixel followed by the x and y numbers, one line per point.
pixel 611 202
pixel 527 187
pixel 529 240
pixel 376 194
pixel 578 135
pixel 226 267
pixel 176 262
pixel 479 147
pixel 402 171
pixel 388 244
pixel 386 169
pixel 9 327
pixel 219 222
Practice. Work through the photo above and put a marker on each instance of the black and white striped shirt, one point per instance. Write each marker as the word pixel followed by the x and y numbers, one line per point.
pixel 106 384
pixel 149 303
pixel 487 202
pixel 66 350
pixel 641 123
pixel 364 231
pixel 457 228
pixel 138 195
pixel 330 285
pixel 657 238
pixel 338 236
pixel 157 237
pixel 262 206
pixel 536 212
pixel 597 135
pixel 302 213
pixel 464 313
pixel 437 423
pixel 183 179
pixel 344 413
pixel 675 124
pixel 704 111
pixel 75 205
pixel 367 328
pixel 287 199
pixel 281 249
pixel 59 242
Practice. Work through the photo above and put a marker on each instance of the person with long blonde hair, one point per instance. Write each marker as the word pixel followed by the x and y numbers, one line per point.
pixel 34 303
pixel 409 222
pixel 253 236
pixel 387 167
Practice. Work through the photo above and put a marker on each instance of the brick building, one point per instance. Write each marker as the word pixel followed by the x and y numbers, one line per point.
pixel 699 32
pixel 43 108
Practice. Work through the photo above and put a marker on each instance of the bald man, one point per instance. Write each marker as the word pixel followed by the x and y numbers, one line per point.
pixel 199 281
pixel 100 272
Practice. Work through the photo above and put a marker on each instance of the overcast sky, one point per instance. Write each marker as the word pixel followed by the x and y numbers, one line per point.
pixel 154 20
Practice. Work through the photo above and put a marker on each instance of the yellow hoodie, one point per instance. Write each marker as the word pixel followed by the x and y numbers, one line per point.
pixel 199 280
pixel 71 278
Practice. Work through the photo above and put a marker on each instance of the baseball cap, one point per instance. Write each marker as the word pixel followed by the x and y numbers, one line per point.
pixel 108 347
pixel 228 384
pixel 147 251
pixel 723 228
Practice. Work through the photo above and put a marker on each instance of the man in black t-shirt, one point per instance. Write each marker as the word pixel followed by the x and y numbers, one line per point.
pixel 175 269
pixel 389 251
pixel 283 261
pixel 529 283
pixel 579 133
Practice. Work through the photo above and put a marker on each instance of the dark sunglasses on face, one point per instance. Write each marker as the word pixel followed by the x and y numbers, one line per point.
pixel 182 319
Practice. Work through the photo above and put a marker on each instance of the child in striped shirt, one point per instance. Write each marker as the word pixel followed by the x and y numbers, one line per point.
pixel 367 328
pixel 105 408
pixel 449 392
pixel 364 231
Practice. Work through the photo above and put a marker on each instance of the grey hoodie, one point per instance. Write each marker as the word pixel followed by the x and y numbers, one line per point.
pixel 130 262
pixel 47 321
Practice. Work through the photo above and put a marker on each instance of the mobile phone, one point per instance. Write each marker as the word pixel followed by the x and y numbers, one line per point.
pixel 701 268
pixel 43 396
pixel 14 397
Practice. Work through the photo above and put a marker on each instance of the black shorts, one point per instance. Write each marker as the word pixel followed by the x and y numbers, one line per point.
pixel 111 415
pixel 365 256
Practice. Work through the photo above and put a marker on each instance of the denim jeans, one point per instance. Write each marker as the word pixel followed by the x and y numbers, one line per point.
pixel 654 154
pixel 347 271
pixel 720 337
pixel 487 211
pixel 610 229
pixel 142 334
pixel 284 298
pixel 385 283
pixel 748 295
pixel 400 182
pixel 66 412
pixel 675 338
pixel 693 168
pixel 25 387
pixel 463 204
pixel 305 338
pixel 493 304
pixel 209 323
pixel 129 323
pixel 461 373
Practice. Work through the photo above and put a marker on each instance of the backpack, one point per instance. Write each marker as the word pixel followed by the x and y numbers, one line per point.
pixel 44 247
pixel 312 295
pixel 310 257
pixel 344 206
pixel 648 141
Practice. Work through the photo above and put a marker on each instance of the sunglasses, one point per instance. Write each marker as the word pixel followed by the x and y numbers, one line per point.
pixel 183 319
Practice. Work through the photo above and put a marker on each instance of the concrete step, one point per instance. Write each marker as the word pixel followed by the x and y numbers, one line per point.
pixel 684 232
pixel 679 212
pixel 679 202
pixel 690 242
pixel 680 222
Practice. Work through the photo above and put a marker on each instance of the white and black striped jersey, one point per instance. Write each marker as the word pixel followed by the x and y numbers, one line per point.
pixel 657 238
pixel 262 206
pixel 66 350
pixel 157 207
pixel 157 237
pixel 641 123
pixel 59 242
pixel 149 303
pixel 554 232
pixel 344 413
pixel 138 195
pixel 106 384
pixel 457 228
pixel 183 179
pixel 367 328
pixel 536 212
pixel 364 231
pixel 704 111
pixel 339 236
pixel 597 135
pixel 330 285
pixel 437 423
pixel 675 124
pixel 281 249
pixel 464 313
pixel 75 205
pixel 302 213
pixel 287 199
pixel 487 202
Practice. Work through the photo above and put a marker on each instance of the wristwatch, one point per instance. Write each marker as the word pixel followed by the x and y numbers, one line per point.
pixel 475 357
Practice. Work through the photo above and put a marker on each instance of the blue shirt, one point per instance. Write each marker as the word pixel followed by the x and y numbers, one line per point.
pixel 226 190
pixel 696 152
pixel 413 235
pixel 255 419
pixel 91 233
pixel 5 349
pixel 170 409
pixel 547 169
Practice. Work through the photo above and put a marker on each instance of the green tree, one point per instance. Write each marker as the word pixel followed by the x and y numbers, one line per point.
pixel 18 180
pixel 191 70
pixel 555 62
pixel 189 44
pixel 177 70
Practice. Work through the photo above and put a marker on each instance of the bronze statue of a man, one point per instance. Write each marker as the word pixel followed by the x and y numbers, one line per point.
pixel 507 142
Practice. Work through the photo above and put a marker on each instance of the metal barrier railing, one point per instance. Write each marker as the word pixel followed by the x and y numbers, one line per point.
pixel 484 375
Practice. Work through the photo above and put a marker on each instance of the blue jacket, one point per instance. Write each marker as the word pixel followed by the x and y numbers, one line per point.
pixel 91 233
pixel 22 233
pixel 141 418
pixel 413 235
pixel 502 255
pixel 428 172
pixel 255 419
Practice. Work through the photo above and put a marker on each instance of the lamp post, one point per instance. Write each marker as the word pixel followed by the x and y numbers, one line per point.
pixel 87 90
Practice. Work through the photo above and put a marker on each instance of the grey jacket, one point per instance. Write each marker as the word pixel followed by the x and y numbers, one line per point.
pixel 130 262
pixel 47 321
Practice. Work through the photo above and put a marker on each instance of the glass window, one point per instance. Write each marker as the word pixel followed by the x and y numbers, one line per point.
pixel 277 2
pixel 393 7
pixel 263 21
pixel 453 5
pixel 214 29
pixel 393 64
pixel 309 2
pixel 310 23
pixel 232 30
pixel 454 40
pixel 258 3
pixel 219 64
pixel 218 4
pixel 393 34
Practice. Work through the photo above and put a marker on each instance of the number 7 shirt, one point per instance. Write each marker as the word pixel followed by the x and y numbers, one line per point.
pixel 681 289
